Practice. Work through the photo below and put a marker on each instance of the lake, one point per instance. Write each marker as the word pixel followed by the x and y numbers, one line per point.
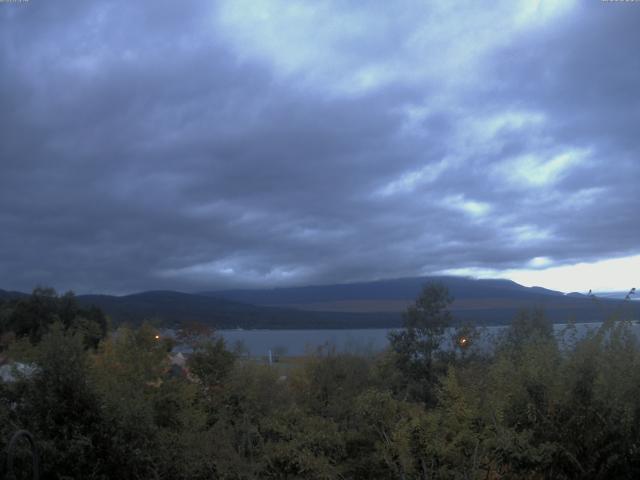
pixel 299 342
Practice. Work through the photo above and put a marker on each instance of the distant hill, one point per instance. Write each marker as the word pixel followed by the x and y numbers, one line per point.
pixel 172 307
pixel 355 305
pixel 481 301
pixel 6 295
pixel 576 295
pixel 396 289
pixel 619 295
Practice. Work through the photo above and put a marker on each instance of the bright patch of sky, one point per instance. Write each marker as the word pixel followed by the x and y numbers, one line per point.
pixel 471 207
pixel 524 234
pixel 536 170
pixel 535 12
pixel 346 47
pixel 241 270
pixel 409 181
pixel 611 275
pixel 486 128
pixel 540 262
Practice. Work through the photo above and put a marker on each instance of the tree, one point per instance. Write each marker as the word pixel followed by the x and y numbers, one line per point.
pixel 59 405
pixel 415 348
pixel 127 372
pixel 301 446
pixel 212 363
pixel 326 383
pixel 32 317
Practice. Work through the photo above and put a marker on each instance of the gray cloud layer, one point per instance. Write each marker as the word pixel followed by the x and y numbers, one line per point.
pixel 159 145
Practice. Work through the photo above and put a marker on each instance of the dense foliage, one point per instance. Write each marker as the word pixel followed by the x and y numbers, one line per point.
pixel 31 317
pixel 429 407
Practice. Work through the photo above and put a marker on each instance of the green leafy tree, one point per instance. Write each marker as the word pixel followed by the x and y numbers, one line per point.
pixel 251 396
pixel 301 446
pixel 212 363
pixel 416 348
pixel 128 371
pixel 59 405
pixel 327 382
pixel 31 317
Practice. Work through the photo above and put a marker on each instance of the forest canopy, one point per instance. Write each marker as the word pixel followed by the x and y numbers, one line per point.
pixel 106 405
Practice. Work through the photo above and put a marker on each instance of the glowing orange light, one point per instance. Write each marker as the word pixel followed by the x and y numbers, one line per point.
pixel 463 341
pixel 157 337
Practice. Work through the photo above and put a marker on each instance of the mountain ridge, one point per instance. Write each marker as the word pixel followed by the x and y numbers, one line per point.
pixel 407 288
pixel 375 304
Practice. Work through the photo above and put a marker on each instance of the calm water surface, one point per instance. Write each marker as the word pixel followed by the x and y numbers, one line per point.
pixel 299 342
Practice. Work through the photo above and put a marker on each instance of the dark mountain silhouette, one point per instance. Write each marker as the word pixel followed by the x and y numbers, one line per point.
pixel 576 295
pixel 486 301
pixel 545 290
pixel 355 305
pixel 169 307
pixel 396 289
pixel 619 295
pixel 7 295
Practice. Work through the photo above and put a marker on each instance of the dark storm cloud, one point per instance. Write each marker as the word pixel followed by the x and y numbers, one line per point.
pixel 143 148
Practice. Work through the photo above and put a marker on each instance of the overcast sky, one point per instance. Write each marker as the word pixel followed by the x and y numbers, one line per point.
pixel 202 145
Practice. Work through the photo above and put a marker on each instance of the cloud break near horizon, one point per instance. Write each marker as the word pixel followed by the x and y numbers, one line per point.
pixel 204 145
